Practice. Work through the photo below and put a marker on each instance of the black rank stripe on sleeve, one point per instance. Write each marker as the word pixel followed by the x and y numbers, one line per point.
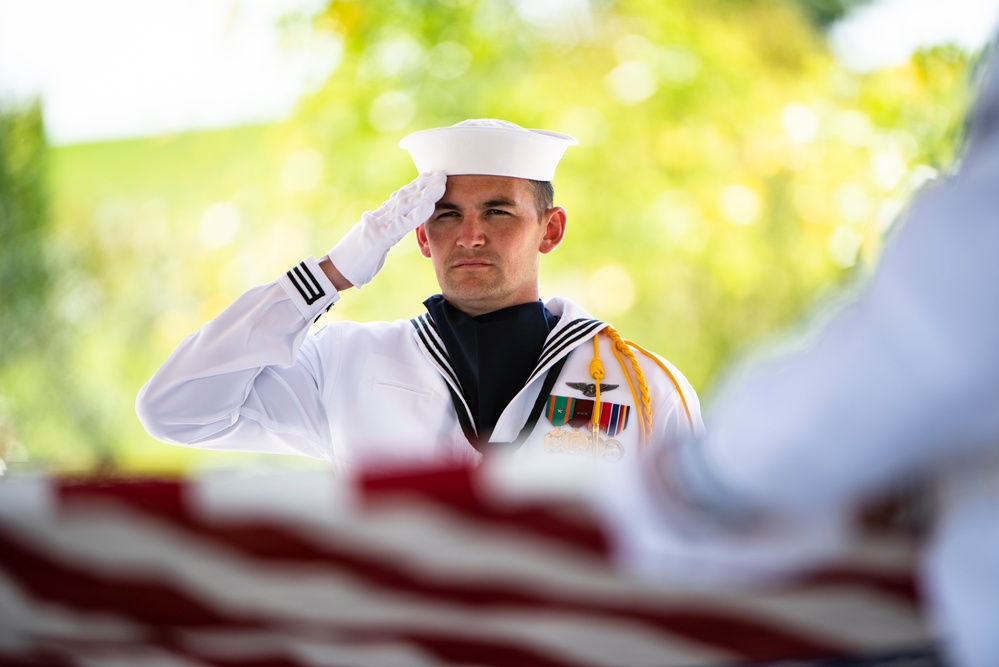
pixel 306 284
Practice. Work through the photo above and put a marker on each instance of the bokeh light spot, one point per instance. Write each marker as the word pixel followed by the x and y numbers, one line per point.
pixel 635 47
pixel 852 202
pixel 391 111
pixel 677 214
pixel 740 204
pixel 219 224
pixel 678 65
pixel 632 82
pixel 800 123
pixel 586 124
pixel 843 246
pixel 854 127
pixel 390 57
pixel 302 170
pixel 610 290
pixel 448 60
pixel 889 168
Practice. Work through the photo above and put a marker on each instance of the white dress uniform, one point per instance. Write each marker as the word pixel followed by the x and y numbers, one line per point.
pixel 901 385
pixel 256 379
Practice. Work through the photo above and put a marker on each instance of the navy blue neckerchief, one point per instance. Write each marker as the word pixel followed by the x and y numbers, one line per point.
pixel 493 354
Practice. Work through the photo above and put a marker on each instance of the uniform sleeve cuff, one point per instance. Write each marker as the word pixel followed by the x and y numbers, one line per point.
pixel 309 289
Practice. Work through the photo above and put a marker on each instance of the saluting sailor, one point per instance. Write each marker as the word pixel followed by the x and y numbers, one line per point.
pixel 489 367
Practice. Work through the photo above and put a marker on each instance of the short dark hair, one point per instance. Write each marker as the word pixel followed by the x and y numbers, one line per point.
pixel 544 195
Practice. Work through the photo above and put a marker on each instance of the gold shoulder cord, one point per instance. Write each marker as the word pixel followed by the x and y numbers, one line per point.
pixel 622 349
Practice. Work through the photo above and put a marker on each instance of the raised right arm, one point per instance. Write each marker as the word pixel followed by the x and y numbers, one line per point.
pixel 252 379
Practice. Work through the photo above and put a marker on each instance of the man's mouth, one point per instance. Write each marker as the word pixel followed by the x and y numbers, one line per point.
pixel 469 263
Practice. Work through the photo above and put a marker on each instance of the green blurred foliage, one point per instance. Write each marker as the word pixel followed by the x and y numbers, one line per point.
pixel 38 399
pixel 24 222
pixel 724 175
pixel 25 281
pixel 41 399
pixel 729 172
pixel 826 12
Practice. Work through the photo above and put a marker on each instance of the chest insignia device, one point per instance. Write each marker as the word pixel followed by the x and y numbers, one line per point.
pixel 589 389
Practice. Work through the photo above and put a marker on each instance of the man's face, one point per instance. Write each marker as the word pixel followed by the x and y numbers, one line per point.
pixel 485 238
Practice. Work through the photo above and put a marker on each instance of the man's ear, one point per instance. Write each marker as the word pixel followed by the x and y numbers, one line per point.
pixel 421 239
pixel 554 221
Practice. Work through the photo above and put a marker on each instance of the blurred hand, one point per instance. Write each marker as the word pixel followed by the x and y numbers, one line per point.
pixel 361 253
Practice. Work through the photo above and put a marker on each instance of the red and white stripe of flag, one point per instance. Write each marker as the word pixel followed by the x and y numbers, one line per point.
pixel 431 567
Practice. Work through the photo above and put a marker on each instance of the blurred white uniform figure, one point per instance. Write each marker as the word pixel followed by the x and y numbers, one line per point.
pixel 902 385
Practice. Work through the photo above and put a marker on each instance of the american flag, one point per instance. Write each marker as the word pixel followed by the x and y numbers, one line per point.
pixel 396 568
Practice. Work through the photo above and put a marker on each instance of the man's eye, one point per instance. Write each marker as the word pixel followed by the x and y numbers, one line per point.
pixel 497 211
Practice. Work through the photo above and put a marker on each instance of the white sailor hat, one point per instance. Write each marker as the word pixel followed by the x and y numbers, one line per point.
pixel 489 147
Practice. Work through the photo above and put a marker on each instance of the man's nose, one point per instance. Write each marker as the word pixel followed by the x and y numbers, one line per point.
pixel 471 233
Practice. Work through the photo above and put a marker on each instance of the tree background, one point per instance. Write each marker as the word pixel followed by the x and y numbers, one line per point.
pixel 730 173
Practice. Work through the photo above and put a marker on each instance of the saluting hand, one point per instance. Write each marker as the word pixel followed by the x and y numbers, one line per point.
pixel 361 253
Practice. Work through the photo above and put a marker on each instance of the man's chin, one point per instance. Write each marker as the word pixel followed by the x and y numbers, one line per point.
pixel 472 285
pixel 473 299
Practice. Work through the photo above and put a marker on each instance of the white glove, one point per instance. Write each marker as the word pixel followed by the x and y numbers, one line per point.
pixel 361 253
